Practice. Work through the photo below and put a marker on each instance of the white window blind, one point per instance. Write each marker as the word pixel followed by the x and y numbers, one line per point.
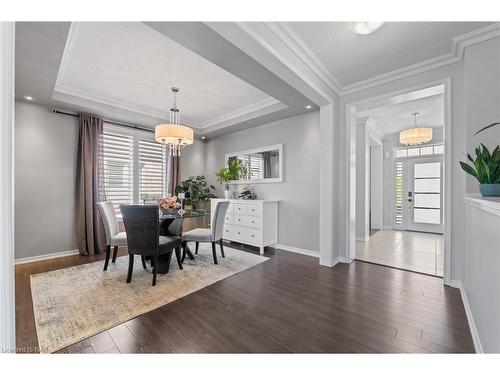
pixel 118 167
pixel 152 171
pixel 398 219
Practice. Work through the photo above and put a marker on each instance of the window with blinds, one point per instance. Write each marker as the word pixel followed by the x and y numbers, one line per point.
pixel 152 168
pixel 118 163
pixel 255 166
pixel 134 167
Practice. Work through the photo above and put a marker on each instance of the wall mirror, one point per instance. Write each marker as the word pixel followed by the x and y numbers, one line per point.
pixel 263 165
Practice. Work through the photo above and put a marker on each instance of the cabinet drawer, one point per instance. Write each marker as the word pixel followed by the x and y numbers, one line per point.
pixel 228 232
pixel 228 219
pixel 252 221
pixel 239 209
pixel 254 210
pixel 246 235
pixel 239 220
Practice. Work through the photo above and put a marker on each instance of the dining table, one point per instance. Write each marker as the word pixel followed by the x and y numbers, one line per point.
pixel 171 225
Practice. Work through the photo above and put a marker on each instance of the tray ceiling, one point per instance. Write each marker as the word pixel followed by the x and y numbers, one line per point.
pixel 131 66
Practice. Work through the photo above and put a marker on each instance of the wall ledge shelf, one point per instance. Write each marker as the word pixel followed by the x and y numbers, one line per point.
pixel 491 205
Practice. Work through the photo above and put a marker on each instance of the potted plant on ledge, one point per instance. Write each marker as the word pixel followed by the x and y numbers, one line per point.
pixel 485 168
pixel 236 170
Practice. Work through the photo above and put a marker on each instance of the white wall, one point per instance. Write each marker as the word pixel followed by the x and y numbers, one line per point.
pixel 45 174
pixel 299 193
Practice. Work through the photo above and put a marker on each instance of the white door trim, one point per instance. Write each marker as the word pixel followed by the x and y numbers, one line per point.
pixel 350 157
pixel 7 295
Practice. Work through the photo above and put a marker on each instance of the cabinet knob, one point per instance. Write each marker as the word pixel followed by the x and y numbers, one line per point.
pixel 239 233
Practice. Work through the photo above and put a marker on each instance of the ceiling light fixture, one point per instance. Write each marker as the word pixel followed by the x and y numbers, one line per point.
pixel 30 98
pixel 309 106
pixel 416 135
pixel 203 137
pixel 174 135
pixel 365 28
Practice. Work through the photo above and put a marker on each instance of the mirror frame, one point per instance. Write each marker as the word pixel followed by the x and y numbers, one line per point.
pixel 278 147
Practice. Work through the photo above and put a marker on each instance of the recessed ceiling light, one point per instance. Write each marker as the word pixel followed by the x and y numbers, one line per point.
pixel 309 106
pixel 28 97
pixel 203 137
pixel 365 28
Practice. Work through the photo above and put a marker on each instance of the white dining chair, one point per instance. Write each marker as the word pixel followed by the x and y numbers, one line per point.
pixel 212 235
pixel 113 235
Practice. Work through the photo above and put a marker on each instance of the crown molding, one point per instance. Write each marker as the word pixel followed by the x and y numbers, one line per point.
pixel 287 35
pixel 292 40
pixel 456 55
pixel 249 112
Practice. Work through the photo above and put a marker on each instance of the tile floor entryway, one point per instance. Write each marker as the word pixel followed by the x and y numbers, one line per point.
pixel 415 251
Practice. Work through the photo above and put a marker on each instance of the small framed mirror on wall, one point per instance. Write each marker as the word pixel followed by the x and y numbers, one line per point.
pixel 261 165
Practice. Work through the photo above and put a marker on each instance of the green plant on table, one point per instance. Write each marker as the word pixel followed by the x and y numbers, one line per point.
pixel 195 189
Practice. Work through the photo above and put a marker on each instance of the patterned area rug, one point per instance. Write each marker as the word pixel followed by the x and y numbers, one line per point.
pixel 75 303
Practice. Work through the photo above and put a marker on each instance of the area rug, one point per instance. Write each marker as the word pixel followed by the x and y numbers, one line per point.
pixel 75 303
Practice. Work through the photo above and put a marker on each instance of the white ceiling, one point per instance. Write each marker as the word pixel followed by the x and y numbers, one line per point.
pixel 124 71
pixel 352 58
pixel 131 66
pixel 396 117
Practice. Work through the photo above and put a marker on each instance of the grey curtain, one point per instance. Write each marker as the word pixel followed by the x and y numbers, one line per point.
pixel 173 175
pixel 266 162
pixel 89 186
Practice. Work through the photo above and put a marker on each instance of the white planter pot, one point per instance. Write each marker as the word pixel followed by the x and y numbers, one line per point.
pixel 228 194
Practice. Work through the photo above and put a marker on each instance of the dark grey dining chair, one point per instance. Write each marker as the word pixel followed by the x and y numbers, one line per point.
pixel 213 234
pixel 143 236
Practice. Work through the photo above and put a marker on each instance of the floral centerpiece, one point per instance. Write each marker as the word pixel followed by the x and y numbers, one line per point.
pixel 168 204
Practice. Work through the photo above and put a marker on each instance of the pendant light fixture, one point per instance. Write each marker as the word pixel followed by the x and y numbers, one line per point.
pixel 416 135
pixel 174 135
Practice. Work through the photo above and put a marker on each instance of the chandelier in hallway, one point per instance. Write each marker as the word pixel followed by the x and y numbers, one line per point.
pixel 174 135
pixel 416 135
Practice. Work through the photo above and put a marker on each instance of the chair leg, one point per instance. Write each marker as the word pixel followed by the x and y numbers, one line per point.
pixel 115 253
pixel 108 251
pixel 221 248
pixel 178 256
pixel 154 269
pixel 197 246
pixel 184 250
pixel 130 267
pixel 214 253
pixel 143 260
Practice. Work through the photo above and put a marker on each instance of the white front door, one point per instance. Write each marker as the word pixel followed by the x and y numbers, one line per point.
pixel 424 195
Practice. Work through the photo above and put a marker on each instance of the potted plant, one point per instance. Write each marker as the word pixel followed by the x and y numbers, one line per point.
pixel 197 192
pixel 486 169
pixel 236 170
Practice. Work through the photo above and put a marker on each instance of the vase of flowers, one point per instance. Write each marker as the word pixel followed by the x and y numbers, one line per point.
pixel 169 205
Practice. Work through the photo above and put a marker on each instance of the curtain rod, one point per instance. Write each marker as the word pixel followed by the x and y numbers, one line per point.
pixel 57 112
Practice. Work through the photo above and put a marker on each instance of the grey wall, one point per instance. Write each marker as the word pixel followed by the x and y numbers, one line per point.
pixel 192 161
pixel 45 167
pixel 482 266
pixel 299 193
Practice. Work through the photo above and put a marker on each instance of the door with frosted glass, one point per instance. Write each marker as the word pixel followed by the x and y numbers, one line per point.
pixel 424 195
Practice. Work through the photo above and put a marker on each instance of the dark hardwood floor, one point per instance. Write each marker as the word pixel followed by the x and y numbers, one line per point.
pixel 287 304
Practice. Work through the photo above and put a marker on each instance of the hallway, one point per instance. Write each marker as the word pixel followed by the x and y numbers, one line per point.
pixel 415 251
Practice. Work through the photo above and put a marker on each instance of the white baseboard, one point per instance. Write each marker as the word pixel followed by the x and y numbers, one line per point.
pixel 298 250
pixel 38 258
pixel 472 325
